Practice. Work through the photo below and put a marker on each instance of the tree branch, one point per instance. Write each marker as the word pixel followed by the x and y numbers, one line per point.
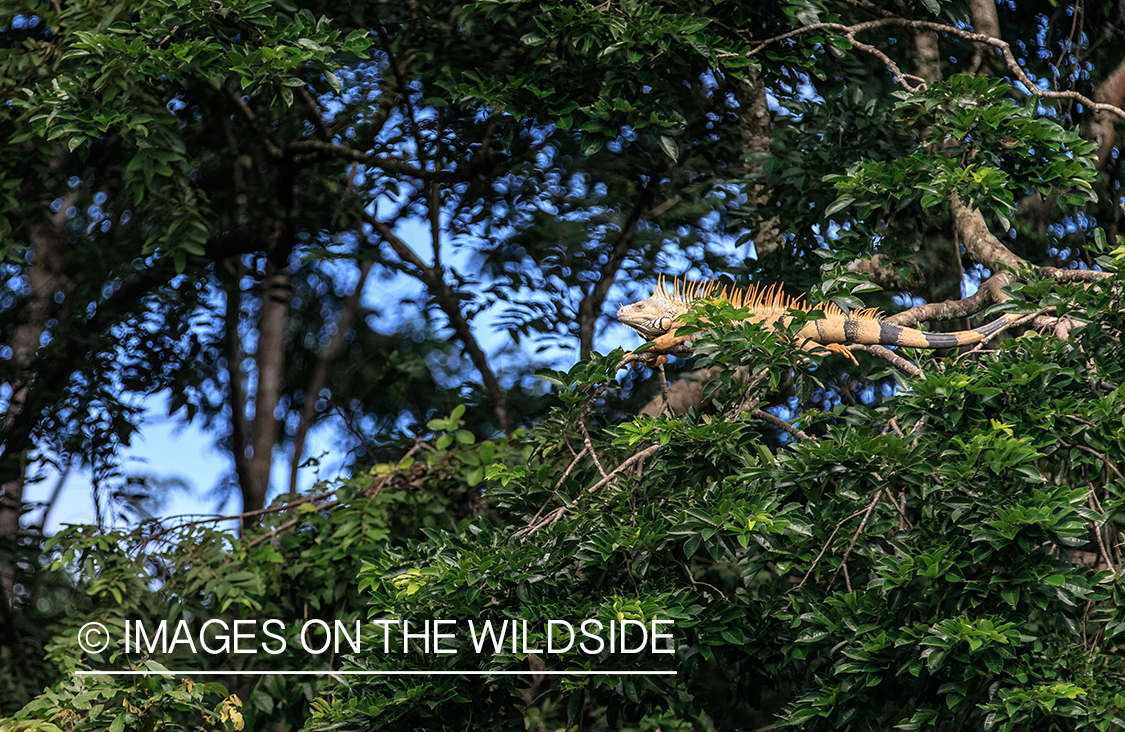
pixel 781 424
pixel 889 355
pixel 445 297
pixel 988 293
pixel 983 247
pixel 849 32
pixel 323 370
pixel 591 304
pixel 636 456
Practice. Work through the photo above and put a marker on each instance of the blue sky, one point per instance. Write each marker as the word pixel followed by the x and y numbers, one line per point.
pixel 167 448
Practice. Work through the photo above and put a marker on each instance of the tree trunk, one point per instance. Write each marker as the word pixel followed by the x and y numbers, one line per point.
pixel 1103 129
pixel 270 361
pixel 45 278
pixel 927 56
pixel 757 134
pixel 236 394
pixel 986 21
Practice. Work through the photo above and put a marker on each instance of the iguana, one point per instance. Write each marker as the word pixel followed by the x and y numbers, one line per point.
pixel 657 317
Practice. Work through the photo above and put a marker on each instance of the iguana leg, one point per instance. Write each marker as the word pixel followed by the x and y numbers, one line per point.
pixel 843 350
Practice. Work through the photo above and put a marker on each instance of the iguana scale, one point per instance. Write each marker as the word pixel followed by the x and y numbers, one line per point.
pixel 657 317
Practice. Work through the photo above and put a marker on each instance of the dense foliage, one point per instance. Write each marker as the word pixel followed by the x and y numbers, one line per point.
pixel 385 219
pixel 938 558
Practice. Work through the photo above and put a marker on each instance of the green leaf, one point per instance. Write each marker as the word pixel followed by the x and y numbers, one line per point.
pixel 670 148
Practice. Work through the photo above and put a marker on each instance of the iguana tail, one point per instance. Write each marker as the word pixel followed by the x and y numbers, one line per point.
pixel 868 328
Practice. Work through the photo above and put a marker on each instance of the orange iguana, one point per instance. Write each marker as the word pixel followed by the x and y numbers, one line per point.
pixel 656 319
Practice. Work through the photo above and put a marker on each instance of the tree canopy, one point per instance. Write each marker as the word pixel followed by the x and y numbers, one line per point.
pixel 412 223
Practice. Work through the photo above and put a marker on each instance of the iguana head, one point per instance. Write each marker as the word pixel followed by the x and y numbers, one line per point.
pixel 656 315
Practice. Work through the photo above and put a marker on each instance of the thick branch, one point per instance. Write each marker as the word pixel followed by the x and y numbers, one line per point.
pixel 986 249
pixel 890 356
pixel 979 242
pixel 988 293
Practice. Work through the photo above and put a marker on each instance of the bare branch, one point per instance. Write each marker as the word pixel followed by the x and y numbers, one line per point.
pixel 1108 463
pixel 889 355
pixel 979 242
pixel 547 520
pixel 988 293
pixel 1107 555
pixel 637 456
pixel 849 32
pixel 591 304
pixel 781 424
pixel 323 370
pixel 166 530
pixel 985 248
pixel 433 277
pixel 697 584
pixel 855 537
pixel 586 437
pixel 824 549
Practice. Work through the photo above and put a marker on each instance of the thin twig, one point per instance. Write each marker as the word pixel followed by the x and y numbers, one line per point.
pixel 1105 459
pixel 569 468
pixel 855 537
pixel 638 456
pixel 290 523
pixel 1079 419
pixel 825 548
pixel 697 584
pixel 586 436
pixel 782 424
pixel 246 514
pixel 849 32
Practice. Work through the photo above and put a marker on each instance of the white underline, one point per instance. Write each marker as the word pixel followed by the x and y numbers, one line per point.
pixel 376 673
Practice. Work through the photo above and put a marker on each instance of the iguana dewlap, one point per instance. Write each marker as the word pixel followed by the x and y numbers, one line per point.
pixel 657 317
